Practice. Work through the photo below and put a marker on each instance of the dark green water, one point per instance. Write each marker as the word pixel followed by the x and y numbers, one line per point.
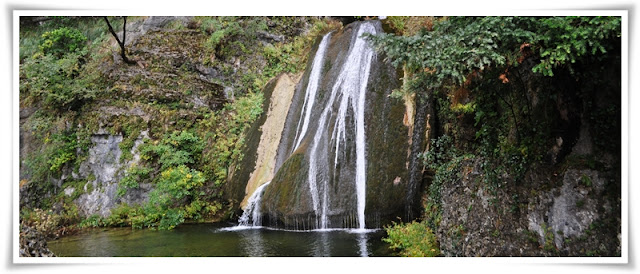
pixel 197 240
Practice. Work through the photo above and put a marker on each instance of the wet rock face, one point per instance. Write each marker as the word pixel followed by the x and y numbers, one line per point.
pixel 33 243
pixel 568 214
pixel 104 164
pixel 271 132
pixel 104 158
pixel 566 217
pixel 235 189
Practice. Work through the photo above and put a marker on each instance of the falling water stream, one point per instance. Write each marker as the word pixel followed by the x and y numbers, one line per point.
pixel 312 88
pixel 342 112
pixel 252 212
pixel 349 91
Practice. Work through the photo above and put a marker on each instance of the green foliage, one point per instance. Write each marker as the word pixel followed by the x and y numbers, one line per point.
pixel 461 45
pixel 549 244
pixel 60 82
pixel 177 148
pixel 414 239
pixel 229 35
pixel 232 40
pixel 176 186
pixel 504 143
pixel 62 41
pixel 130 127
pixel 292 57
pixel 177 189
pixel 92 221
pixel 65 145
pixel 564 40
pixel 177 183
pixel 134 176
pixel 477 53
pixel 398 23
pixel 58 64
pixel 170 219
pixel 120 216
pixel 229 139
pixel 446 161
pixel 464 108
pixel 455 48
pixel 586 180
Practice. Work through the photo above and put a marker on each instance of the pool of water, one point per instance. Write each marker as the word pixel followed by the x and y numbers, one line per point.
pixel 207 240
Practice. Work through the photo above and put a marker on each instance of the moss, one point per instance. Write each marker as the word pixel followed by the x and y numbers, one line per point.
pixel 284 190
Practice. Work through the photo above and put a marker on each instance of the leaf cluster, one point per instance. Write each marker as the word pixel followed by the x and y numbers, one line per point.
pixel 565 40
pixel 177 148
pixel 455 48
pixel 413 239
pixel 62 41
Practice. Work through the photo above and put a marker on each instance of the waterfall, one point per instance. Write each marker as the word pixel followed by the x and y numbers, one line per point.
pixel 312 88
pixel 349 91
pixel 323 173
pixel 252 212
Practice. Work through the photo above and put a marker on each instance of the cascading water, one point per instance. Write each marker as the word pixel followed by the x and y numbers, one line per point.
pixel 312 88
pixel 349 91
pixel 252 212
pixel 321 167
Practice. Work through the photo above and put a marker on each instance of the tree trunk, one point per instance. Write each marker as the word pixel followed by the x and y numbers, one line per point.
pixel 120 43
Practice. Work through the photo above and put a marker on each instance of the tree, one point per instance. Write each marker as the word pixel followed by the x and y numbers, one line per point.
pixel 121 43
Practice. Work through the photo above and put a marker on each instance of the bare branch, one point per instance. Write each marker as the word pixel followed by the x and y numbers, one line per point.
pixel 120 43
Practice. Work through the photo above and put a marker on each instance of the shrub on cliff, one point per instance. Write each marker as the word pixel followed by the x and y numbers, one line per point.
pixel 55 74
pixel 413 239
pixel 62 41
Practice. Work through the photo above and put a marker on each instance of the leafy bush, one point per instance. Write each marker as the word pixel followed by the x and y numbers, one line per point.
pixel 59 66
pixel 177 148
pixel 229 35
pixel 178 183
pixel 62 41
pixel 120 216
pixel 135 175
pixel 59 82
pixel 165 208
pixel 414 239
pixel 171 218
pixel 64 145
pixel 564 40
pixel 44 221
pixel 92 221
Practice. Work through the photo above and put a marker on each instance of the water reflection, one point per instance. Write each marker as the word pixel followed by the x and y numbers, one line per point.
pixel 215 240
pixel 252 243
pixel 362 243
pixel 321 246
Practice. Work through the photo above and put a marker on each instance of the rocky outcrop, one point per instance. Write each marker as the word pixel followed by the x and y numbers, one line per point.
pixel 105 166
pixel 568 214
pixel 271 132
pixel 33 243
pixel 565 199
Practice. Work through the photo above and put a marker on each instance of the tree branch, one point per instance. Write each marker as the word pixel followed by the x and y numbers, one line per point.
pixel 120 43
